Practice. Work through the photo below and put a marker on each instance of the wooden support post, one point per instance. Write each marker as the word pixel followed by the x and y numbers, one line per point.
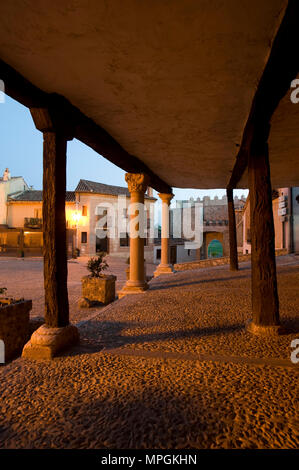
pixel 233 251
pixel 54 230
pixel 265 305
pixel 56 334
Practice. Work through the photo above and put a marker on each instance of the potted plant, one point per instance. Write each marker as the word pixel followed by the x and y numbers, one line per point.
pixel 97 287
pixel 76 253
pixel 14 324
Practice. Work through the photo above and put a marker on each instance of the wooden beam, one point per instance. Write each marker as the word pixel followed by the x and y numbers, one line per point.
pixel 233 250
pixel 54 230
pixel 282 67
pixel 83 128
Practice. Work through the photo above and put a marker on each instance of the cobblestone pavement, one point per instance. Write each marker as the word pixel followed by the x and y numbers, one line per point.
pixel 171 368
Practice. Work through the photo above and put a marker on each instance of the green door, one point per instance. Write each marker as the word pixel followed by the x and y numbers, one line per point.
pixel 215 249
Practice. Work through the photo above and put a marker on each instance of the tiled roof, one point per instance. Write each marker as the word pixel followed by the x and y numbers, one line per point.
pixel 70 196
pixel 87 186
pixel 37 196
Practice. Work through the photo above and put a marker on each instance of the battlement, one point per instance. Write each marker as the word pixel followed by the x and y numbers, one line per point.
pixel 207 201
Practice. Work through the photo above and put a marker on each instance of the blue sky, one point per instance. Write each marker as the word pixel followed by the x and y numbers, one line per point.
pixel 21 151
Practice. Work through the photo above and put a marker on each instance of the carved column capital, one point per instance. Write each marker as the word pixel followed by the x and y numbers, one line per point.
pixel 137 182
pixel 166 197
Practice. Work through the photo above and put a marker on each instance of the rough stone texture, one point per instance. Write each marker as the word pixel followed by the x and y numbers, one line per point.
pixel 46 342
pixel 173 368
pixel 206 263
pixel 14 327
pixel 100 290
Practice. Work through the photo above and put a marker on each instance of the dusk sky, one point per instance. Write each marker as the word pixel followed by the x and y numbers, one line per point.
pixel 21 152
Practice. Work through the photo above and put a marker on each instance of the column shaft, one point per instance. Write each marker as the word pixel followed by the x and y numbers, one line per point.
pixel 137 184
pixel 136 245
pixel 165 234
pixel 164 267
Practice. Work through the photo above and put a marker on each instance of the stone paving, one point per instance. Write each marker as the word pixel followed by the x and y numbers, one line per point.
pixel 170 368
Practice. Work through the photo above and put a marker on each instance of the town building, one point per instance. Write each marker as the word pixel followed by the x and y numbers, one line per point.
pixel 285 203
pixel 214 227
pixel 9 185
pixel 21 217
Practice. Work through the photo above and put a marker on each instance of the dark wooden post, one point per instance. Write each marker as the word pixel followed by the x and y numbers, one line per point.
pixel 233 251
pixel 54 230
pixel 265 305
pixel 56 334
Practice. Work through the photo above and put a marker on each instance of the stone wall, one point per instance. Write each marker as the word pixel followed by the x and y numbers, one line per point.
pixel 206 263
pixel 14 327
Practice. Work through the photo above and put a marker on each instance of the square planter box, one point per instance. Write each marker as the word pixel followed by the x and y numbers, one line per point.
pixel 14 327
pixel 98 289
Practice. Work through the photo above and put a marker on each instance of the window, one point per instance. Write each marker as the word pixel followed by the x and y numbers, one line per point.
pixel 84 212
pixel 83 237
pixel 124 239
pixel 101 216
pixel 158 253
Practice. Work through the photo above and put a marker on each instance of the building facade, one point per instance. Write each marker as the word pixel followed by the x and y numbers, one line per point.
pixel 21 212
pixel 285 204
pixel 213 224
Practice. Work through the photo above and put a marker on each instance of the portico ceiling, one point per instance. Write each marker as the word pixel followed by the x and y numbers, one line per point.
pixel 172 81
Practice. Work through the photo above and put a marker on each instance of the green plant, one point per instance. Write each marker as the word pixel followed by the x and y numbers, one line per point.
pixel 3 290
pixel 97 265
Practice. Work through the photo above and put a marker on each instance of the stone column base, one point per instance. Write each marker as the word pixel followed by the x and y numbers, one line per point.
pixel 46 342
pixel 266 331
pixel 132 287
pixel 163 269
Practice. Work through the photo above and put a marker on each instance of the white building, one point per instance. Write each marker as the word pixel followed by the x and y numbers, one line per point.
pixel 9 185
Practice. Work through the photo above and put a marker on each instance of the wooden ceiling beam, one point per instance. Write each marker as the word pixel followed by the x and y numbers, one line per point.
pixel 83 128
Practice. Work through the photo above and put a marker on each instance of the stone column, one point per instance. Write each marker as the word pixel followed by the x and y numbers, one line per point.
pixel 233 250
pixel 56 334
pixel 164 267
pixel 265 305
pixel 137 184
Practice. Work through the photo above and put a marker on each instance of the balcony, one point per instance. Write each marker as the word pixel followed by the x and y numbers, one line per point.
pixel 33 222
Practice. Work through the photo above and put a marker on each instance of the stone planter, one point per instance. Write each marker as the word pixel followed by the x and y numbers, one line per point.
pixel 14 326
pixel 97 290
